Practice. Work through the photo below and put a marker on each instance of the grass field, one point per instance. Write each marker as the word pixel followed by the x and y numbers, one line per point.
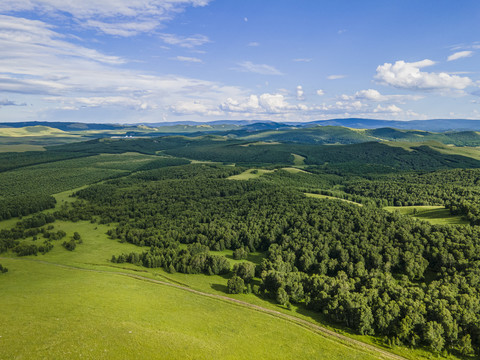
pixel 55 313
pixel 21 148
pixel 471 152
pixel 295 170
pixel 319 196
pixel 298 160
pixel 436 215
pixel 250 174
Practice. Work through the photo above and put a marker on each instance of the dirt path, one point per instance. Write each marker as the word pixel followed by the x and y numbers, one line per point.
pixel 381 353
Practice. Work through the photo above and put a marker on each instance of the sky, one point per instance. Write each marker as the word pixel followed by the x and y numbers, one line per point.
pixel 150 61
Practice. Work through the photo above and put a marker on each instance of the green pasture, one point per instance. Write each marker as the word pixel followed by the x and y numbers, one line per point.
pixel 298 160
pixel 436 215
pixel 320 196
pixel 50 312
pixel 250 174
pixel 21 148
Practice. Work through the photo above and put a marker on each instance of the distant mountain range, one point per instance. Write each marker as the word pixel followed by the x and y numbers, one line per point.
pixel 436 125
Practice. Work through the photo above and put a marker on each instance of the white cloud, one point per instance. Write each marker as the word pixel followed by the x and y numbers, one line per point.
pixel 336 77
pixel 114 17
pixel 122 29
pixel 194 108
pixel 253 44
pixel 185 41
pixel 460 55
pixel 20 36
pixel 387 109
pixel 375 95
pixel 300 93
pixel 320 92
pixel 263 104
pixel 263 69
pixel 75 103
pixel 39 63
pixel 188 59
pixel 406 75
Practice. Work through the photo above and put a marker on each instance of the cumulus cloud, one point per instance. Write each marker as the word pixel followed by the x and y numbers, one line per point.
pixel 459 55
pixel 300 93
pixel 335 77
pixel 119 17
pixel 387 109
pixel 188 59
pixel 375 95
pixel 263 104
pixel 194 108
pixel 320 92
pixel 263 69
pixel 404 75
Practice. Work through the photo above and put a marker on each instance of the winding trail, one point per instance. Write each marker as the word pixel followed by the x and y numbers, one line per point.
pixel 381 353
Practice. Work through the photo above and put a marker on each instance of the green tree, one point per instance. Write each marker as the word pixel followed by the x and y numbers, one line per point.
pixel 236 285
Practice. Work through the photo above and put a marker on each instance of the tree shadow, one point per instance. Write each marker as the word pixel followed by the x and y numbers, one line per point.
pixel 220 287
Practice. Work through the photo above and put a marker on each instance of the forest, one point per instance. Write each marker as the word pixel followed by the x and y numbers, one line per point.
pixel 375 272
pixel 370 270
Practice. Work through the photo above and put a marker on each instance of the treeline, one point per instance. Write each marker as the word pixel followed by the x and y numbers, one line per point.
pixel 25 205
pixel 14 160
pixel 31 227
pixel 456 189
pixel 375 272
pixel 195 259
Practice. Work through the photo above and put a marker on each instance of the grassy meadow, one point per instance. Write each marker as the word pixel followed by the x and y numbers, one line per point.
pixel 54 312
pixel 436 215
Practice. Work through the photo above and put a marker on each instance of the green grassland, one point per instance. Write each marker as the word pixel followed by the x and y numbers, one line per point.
pixel 320 196
pixel 21 148
pixel 436 215
pixel 57 313
pixel 250 174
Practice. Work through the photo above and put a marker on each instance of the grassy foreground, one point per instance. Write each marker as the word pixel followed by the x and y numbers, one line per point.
pixel 57 313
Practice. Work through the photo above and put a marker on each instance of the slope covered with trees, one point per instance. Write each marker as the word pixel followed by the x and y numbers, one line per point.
pixel 373 271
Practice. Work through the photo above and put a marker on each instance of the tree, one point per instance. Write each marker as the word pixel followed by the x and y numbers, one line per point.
pixel 3 269
pixel 245 270
pixel 465 345
pixel 282 297
pixel 235 285
pixel 240 254
pixel 70 245
pixel 433 336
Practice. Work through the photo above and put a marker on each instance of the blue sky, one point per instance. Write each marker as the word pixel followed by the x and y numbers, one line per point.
pixel 140 61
